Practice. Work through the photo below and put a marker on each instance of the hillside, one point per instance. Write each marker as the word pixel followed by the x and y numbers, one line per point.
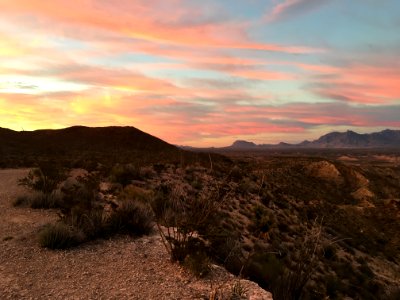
pixel 78 138
pixel 81 146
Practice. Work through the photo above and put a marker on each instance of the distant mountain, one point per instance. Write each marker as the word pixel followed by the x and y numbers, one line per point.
pixel 385 139
pixel 243 145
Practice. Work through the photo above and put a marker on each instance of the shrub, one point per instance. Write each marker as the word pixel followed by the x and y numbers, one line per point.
pixel 333 286
pixel 186 215
pixel 392 294
pixel 198 263
pixel 330 252
pixel 23 200
pixel 40 200
pixel 60 236
pixel 137 193
pixel 131 217
pixel 45 178
pixel 46 201
pixel 264 267
pixel 262 221
pixel 90 222
pixel 238 291
pixel 124 174
pixel 82 195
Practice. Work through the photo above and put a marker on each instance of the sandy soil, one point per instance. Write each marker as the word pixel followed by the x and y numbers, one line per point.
pixel 120 268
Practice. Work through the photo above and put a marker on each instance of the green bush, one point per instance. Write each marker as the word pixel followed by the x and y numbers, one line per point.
pixel 60 236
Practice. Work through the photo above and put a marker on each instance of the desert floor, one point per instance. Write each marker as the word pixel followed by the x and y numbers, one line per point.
pixel 120 268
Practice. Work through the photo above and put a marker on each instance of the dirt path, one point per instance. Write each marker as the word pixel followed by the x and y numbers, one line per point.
pixel 120 268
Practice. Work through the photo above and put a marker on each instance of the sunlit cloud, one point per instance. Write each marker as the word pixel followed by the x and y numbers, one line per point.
pixel 197 75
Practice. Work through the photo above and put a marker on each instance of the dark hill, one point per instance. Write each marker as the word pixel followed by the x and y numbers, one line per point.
pixel 79 144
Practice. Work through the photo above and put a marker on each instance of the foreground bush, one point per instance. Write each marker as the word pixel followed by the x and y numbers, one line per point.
pixel 45 178
pixel 131 217
pixel 198 263
pixel 39 200
pixel 60 236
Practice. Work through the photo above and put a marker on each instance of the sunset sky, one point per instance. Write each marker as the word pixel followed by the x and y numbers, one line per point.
pixel 202 73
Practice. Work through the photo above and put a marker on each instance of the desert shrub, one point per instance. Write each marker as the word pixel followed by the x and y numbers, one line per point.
pixel 392 293
pixel 23 200
pixel 186 214
pixel 137 193
pixel 45 178
pixel 158 168
pixel 333 286
pixel 131 217
pixel 226 248
pixel 147 172
pixel 40 200
pixel 238 291
pixel 198 263
pixel 124 174
pixel 366 270
pixel 262 221
pixel 265 268
pixel 46 201
pixel 236 174
pixel 91 222
pixel 287 278
pixel 82 196
pixel 329 252
pixel 60 236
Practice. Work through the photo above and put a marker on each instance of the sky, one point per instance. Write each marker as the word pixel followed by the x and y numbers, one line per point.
pixel 202 73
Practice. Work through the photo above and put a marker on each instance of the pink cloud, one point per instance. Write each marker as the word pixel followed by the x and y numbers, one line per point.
pixel 361 84
pixel 290 8
pixel 147 24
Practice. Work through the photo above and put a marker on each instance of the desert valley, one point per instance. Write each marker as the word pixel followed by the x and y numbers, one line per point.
pixel 116 213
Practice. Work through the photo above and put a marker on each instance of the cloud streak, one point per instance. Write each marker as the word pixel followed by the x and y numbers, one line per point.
pixel 288 9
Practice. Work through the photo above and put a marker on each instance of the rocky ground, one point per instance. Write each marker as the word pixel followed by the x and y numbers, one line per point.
pixel 120 268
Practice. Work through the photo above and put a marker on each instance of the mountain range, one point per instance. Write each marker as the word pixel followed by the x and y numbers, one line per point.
pixel 384 139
